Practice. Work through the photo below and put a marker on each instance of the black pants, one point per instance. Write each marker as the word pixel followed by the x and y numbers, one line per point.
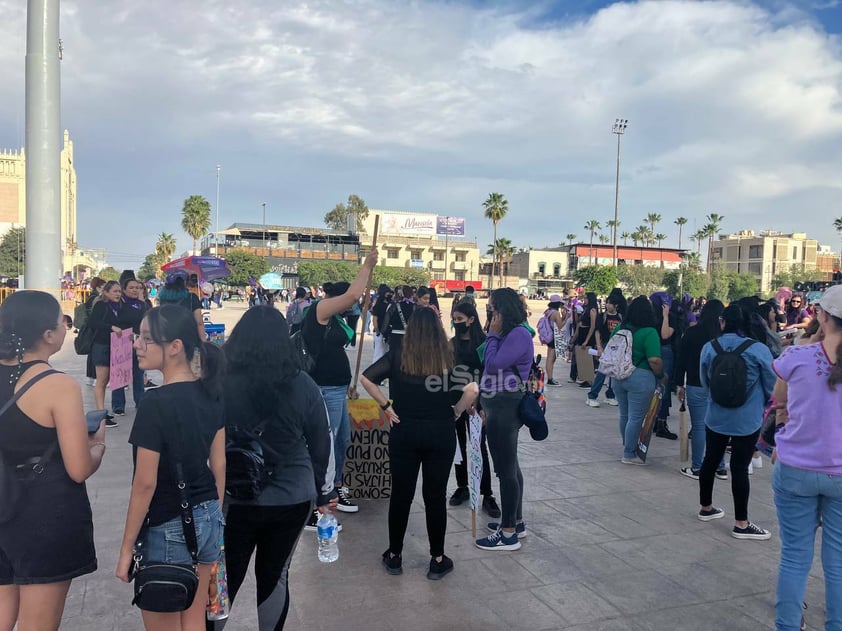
pixel 502 424
pixel 274 532
pixel 429 445
pixel 742 449
pixel 462 469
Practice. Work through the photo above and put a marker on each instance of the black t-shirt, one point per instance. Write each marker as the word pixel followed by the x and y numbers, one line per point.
pixel 332 365
pixel 412 397
pixel 182 419
pixel 606 323
pixel 190 301
pixel 396 323
pixel 585 320
pixel 467 358
pixel 379 310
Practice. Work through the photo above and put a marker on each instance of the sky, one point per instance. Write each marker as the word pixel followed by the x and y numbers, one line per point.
pixel 734 107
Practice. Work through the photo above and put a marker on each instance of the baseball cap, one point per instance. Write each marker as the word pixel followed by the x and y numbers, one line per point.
pixel 555 298
pixel 831 301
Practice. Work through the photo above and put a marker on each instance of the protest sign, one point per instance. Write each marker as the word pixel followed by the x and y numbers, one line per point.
pixel 367 471
pixel 648 425
pixel 120 374
pixel 475 459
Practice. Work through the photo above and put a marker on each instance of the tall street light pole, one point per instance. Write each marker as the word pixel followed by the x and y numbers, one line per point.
pixel 218 169
pixel 264 224
pixel 619 129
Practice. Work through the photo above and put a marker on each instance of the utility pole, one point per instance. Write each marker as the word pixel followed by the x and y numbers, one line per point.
pixel 446 249
pixel 619 129
pixel 216 249
pixel 264 224
pixel 43 130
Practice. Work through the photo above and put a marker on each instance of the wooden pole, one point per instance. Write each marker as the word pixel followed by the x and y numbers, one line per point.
pixel 473 523
pixel 366 306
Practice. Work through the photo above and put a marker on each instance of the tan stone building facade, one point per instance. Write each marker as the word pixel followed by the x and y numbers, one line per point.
pixel 13 200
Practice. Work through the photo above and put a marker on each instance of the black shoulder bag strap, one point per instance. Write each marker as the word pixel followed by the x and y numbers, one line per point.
pixel 36 463
pixel 717 346
pixel 521 385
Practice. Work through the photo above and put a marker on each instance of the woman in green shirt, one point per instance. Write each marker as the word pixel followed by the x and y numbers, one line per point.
pixel 634 393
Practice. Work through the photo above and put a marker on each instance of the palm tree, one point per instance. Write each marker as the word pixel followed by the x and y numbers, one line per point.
pixel 592 226
pixel 196 217
pixel 496 207
pixel 698 237
pixel 643 235
pixel 635 237
pixel 680 223
pixel 712 228
pixel 693 260
pixel 653 219
pixel 570 238
pixel 502 249
pixel 837 223
pixel 625 237
pixel 604 238
pixel 165 246
pixel 660 237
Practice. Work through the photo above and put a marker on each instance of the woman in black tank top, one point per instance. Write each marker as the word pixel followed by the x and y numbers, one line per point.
pixel 47 538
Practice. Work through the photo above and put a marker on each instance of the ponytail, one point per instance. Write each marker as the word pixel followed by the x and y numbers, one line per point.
pixel 213 368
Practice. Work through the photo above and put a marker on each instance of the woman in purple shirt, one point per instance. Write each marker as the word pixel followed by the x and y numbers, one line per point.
pixel 808 477
pixel 508 349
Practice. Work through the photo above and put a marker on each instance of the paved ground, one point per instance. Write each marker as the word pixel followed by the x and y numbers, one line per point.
pixel 610 547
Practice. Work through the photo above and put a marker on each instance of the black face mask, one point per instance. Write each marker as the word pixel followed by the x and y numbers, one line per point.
pixel 461 328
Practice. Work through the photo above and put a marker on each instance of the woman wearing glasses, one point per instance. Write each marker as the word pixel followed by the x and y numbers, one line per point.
pixel 797 316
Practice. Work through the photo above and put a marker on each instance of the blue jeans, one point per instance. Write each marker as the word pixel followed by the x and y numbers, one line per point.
pixel 165 543
pixel 634 394
pixel 336 400
pixel 803 498
pixel 118 397
pixel 598 382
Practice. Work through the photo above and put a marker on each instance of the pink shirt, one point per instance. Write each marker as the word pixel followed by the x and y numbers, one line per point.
pixel 812 439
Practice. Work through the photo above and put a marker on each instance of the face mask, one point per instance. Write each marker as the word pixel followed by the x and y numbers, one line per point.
pixel 460 327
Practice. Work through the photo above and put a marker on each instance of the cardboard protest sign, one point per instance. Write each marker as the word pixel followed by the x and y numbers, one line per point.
pixel 475 459
pixel 120 374
pixel 648 425
pixel 367 470
pixel 584 364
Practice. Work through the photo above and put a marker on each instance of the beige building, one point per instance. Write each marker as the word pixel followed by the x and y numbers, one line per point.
pixel 765 254
pixel 537 270
pixel 425 241
pixel 13 202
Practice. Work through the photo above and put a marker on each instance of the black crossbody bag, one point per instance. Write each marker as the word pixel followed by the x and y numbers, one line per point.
pixel 168 587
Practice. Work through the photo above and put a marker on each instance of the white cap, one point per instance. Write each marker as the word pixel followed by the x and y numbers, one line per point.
pixel 831 301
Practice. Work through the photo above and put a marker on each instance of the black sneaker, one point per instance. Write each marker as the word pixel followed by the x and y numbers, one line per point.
pixel 751 532
pixel 110 422
pixel 663 431
pixel 713 513
pixel 690 472
pixel 552 382
pixel 722 474
pixel 310 526
pixel 345 504
pixel 119 412
pixel 460 496
pixel 439 569
pixel 393 563
pixel 584 384
pixel 489 505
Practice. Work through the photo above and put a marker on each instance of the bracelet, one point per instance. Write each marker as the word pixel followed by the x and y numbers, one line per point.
pixel 386 406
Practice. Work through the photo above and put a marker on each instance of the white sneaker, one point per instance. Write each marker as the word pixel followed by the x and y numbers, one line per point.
pixel 593 403
pixel 90 382
pixel 757 462
pixel 612 402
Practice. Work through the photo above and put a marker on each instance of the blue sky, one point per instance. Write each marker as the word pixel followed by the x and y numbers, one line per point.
pixel 734 107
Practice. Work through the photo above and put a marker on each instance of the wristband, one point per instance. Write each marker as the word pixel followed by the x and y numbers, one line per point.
pixel 386 406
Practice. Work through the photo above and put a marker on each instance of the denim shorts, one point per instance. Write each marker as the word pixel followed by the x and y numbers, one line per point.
pixel 165 542
pixel 101 354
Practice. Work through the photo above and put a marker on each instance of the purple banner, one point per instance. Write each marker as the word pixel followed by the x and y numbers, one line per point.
pixel 451 226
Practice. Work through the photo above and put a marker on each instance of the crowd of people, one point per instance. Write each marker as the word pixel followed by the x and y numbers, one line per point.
pixel 735 367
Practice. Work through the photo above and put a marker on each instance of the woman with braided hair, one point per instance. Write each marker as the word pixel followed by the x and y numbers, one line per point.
pixel 46 540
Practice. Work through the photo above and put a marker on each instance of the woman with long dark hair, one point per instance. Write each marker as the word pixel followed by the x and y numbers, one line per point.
pixel 48 540
pixel 507 363
pixel 96 285
pixel 180 422
pixel 265 391
pixel 807 478
pixel 106 317
pixel 378 315
pixel 585 335
pixel 176 292
pixel 634 393
pixel 425 400
pixel 738 425
pixel 666 322
pixel 132 312
pixel 689 385
pixel 468 367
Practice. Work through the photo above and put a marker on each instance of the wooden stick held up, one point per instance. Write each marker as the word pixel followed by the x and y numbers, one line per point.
pixel 366 306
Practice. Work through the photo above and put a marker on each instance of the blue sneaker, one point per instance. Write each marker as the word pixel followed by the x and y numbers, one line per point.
pixel 498 541
pixel 520 528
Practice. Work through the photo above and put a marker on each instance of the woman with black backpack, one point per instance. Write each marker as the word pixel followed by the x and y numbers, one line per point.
pixel 738 372
pixel 267 394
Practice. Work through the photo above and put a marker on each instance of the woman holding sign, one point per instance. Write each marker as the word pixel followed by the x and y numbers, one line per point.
pixel 107 317
pixel 425 402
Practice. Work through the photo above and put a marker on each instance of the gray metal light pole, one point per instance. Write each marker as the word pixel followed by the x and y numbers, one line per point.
pixel 264 224
pixel 216 248
pixel 43 151
pixel 619 129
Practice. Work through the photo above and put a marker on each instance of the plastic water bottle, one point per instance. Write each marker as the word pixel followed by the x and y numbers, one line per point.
pixel 328 530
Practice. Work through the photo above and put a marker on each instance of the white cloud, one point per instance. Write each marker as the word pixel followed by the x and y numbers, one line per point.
pixel 733 109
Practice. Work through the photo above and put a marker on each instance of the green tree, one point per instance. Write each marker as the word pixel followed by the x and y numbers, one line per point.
pixel 599 279
pixel 680 222
pixel 660 237
pixel 796 274
pixel 196 217
pixel 741 285
pixel 640 279
pixel 496 207
pixel 151 267
pixel 592 226
pixel 394 276
pixel 109 273
pixel 570 238
pixel 653 219
pixel 13 252
pixel 687 280
pixel 711 229
pixel 337 219
pixel 698 237
pixel 165 246
pixel 502 250
pixel 837 224
pixel 604 238
pixel 315 273
pixel 243 264
pixel 625 237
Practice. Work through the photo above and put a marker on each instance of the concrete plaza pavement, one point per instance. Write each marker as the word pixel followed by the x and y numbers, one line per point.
pixel 609 547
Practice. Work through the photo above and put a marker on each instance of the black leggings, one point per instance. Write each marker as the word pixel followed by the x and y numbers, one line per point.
pixel 274 532
pixel 502 424
pixel 462 469
pixel 429 445
pixel 742 449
